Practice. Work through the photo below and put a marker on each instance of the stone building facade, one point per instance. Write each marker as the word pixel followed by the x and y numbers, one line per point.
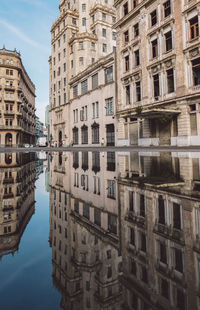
pixel 17 198
pixel 158 65
pixel 84 230
pixel 80 37
pixel 17 115
pixel 160 209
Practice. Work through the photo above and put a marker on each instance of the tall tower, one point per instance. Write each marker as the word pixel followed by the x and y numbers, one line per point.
pixel 80 36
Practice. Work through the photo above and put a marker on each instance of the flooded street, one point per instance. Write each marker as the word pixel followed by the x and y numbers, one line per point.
pixel 100 230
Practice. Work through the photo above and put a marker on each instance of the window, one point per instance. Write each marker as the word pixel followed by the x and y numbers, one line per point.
pixel 97 216
pixel 114 36
pixel 112 223
pixel 109 75
pixel 83 7
pixel 84 87
pixel 104 48
pixel 75 135
pixel 95 109
pixel 109 272
pixel 126 63
pixel 153 18
pixel 84 21
pixel 84 134
pixel 84 182
pixel 137 58
pixel 154 45
pixel 86 210
pixel 143 245
pixel 127 89
pixel 95 133
pixel 110 134
pixel 142 206
pixel 165 289
pixel 135 3
pixel 193 120
pixel 95 81
pixel 131 201
pixel 176 216
pixel 104 32
pixel 196 71
pixel 126 36
pixel 168 41
pixel 75 91
pixel 95 161
pixel 125 8
pixel 74 21
pixel 81 45
pixel 163 253
pixel 167 8
pixel 85 161
pixel 136 30
pixel 132 236
pixel 110 161
pixel 111 189
pixel 161 211
pixel 75 160
pixel 81 61
pixel 156 86
pixel 170 80
pixel 194 28
pixel 109 106
pixel 138 91
pixel 103 17
pixel 178 260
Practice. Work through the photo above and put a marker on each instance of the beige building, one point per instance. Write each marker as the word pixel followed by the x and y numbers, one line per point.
pixel 160 209
pixel 84 230
pixel 81 38
pixel 17 198
pixel 158 65
pixel 17 114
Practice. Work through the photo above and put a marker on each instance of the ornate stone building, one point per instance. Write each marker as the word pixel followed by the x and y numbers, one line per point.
pixel 17 114
pixel 158 65
pixel 17 198
pixel 80 37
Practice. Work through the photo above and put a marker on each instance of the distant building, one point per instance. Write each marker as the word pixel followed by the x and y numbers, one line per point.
pixel 39 129
pixel 158 65
pixel 47 122
pixel 17 114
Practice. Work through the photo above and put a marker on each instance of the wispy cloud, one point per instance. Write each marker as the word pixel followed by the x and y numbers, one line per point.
pixel 23 36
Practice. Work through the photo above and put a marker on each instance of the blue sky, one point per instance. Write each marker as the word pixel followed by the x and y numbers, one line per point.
pixel 25 25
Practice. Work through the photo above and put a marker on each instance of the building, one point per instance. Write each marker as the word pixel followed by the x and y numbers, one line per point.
pixel 47 123
pixel 80 37
pixel 39 126
pixel 160 212
pixel 17 121
pixel 85 230
pixel 17 198
pixel 158 65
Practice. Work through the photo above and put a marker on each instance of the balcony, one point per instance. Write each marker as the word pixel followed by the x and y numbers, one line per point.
pixel 136 218
pixel 169 232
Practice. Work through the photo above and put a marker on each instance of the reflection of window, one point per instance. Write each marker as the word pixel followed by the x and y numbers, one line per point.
pixel 84 134
pixel 75 135
pixel 111 189
pixel 95 133
pixel 111 161
pixel 96 161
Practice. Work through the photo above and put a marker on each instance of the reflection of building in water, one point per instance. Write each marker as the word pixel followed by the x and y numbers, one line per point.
pixel 160 220
pixel 84 230
pixel 17 198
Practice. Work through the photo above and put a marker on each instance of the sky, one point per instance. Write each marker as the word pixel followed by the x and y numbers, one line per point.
pixel 25 25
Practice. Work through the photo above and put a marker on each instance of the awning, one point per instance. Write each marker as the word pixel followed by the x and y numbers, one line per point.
pixel 151 113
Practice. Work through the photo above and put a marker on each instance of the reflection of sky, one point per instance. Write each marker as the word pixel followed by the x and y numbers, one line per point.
pixel 26 281
pixel 25 25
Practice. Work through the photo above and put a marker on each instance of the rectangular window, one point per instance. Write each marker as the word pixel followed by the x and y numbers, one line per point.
pixel 112 223
pixel 136 30
pixel 109 75
pixel 125 8
pixel 156 86
pixel 170 80
pixel 167 8
pixel 135 3
pixel 176 216
pixel 95 133
pixel 163 253
pixel 126 63
pixel 127 89
pixel 109 106
pixel 110 161
pixel 161 211
pixel 86 210
pixel 168 41
pixel 194 28
pixel 104 32
pixel 132 236
pixel 154 45
pixel 196 71
pixel 84 87
pixel 137 58
pixel 104 48
pixel 126 37
pixel 95 81
pixel 153 18
pixel 95 161
pixel 138 91
pixel 97 217
pixel 178 260
pixel 111 189
pixel 75 91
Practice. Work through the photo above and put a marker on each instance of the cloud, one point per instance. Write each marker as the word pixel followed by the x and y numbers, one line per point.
pixel 22 36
